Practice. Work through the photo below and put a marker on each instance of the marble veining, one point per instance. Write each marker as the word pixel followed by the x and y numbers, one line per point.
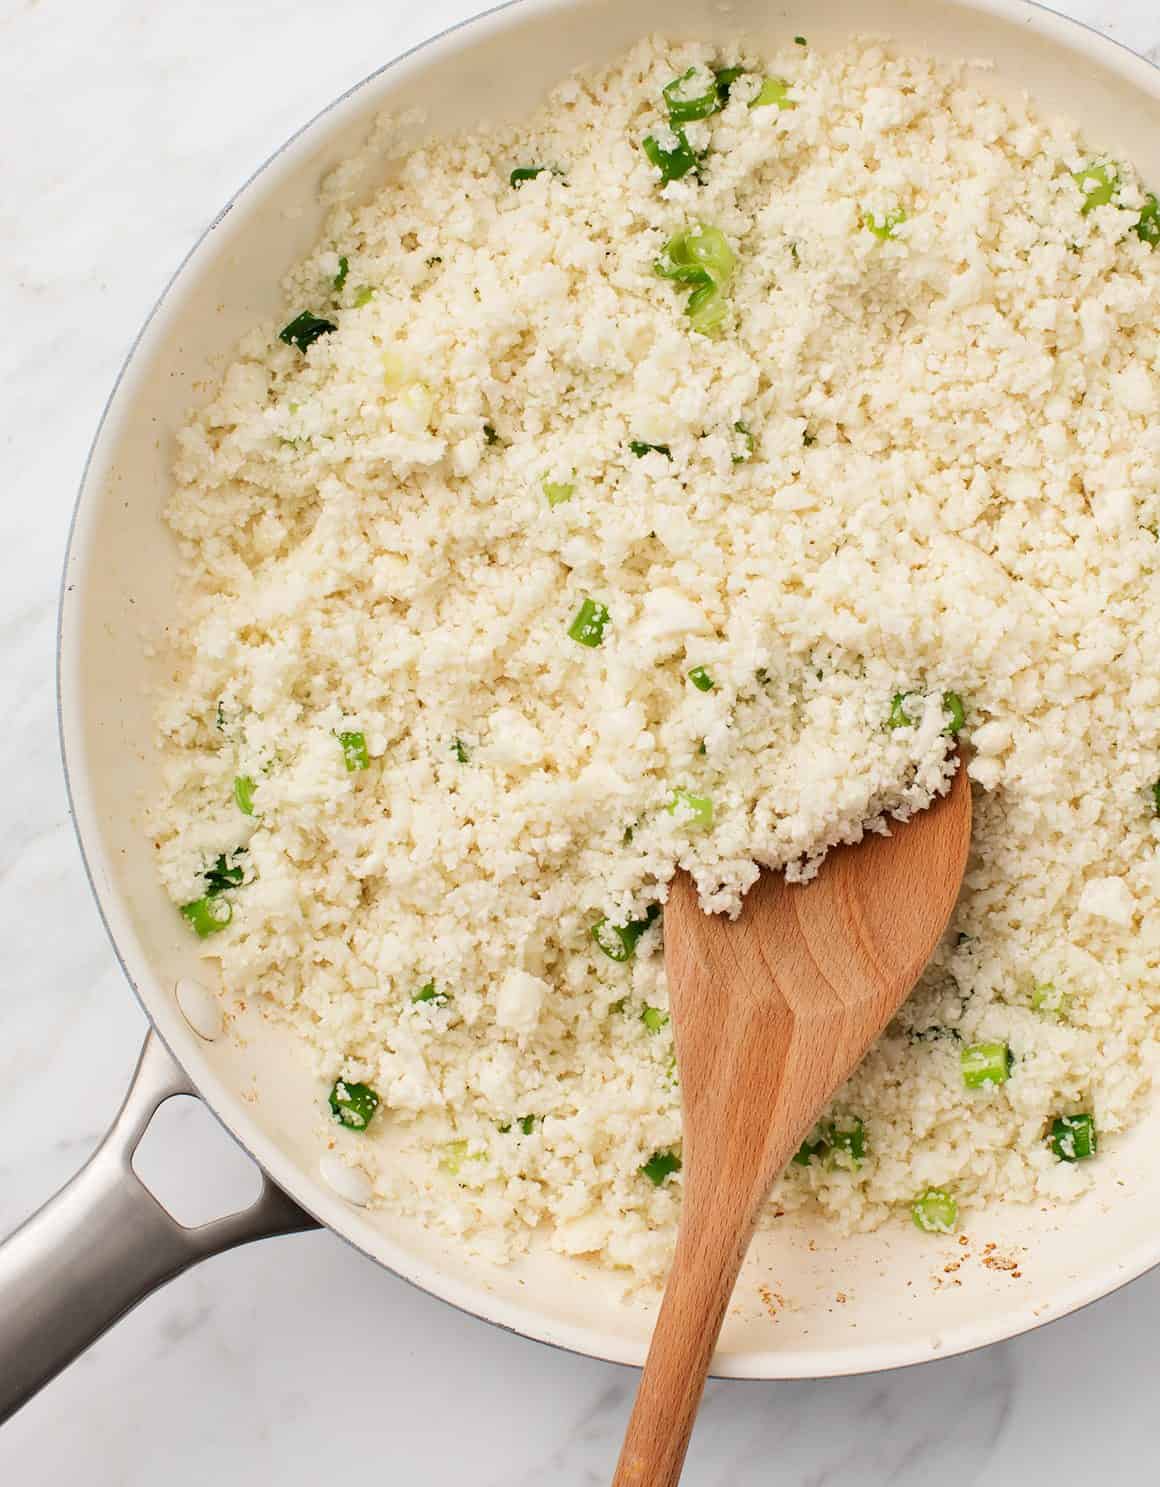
pixel 126 123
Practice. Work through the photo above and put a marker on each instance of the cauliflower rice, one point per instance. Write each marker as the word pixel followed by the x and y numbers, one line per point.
pixel 921 458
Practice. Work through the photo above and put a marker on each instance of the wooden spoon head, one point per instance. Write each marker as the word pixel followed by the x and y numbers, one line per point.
pixel 772 1011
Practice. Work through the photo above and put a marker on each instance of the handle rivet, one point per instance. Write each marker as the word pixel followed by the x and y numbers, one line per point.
pixel 350 1183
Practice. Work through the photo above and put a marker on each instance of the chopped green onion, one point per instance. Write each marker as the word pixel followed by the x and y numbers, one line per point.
pixel 305 329
pixel 244 794
pixel 935 1211
pixel 660 1165
pixel 707 309
pixel 674 163
pixel 699 255
pixel 640 449
pixel 527 1124
pixel 1156 798
pixel 524 173
pixel 725 77
pixel 808 1150
pixel 899 717
pixel 558 492
pixel 429 993
pixel 1047 998
pixel 654 1019
pixel 809 439
pixel 691 96
pixel 1098 184
pixel 749 442
pixel 353 1104
pixel 1147 229
pixel 884 227
pixel 354 751
pixel 842 1142
pixel 774 93
pixel 986 1063
pixel 701 679
pixel 460 750
pixel 456 1153
pixel 221 719
pixel 618 941
pixel 800 41
pixel 1073 1137
pixel 209 914
pixel 223 875
pixel 363 296
pixel 847 1142
pixel 695 810
pixel 953 704
pixel 343 270
pixel 489 435
pixel 588 626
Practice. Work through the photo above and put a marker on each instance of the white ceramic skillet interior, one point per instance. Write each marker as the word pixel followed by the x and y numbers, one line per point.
pixel 843 1305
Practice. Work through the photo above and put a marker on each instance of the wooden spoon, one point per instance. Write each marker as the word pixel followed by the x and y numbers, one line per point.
pixel 771 1013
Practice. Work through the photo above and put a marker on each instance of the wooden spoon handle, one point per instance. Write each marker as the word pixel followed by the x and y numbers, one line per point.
pixel 705 1268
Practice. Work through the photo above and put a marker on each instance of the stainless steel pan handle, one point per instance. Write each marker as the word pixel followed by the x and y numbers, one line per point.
pixel 104 1243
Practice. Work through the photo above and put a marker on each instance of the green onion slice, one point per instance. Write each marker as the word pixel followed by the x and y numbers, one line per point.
pixel 343 270
pixel 305 329
pixel 953 704
pixel 589 624
pixel 618 941
pixel 847 1141
pixel 701 679
pixel 841 1142
pixel 774 94
pixel 986 1063
pixel 885 226
pixel 654 1019
pixel 353 1104
pixel 1047 998
pixel 208 915
pixel 363 296
pixel 222 875
pixel 661 1165
pixel 460 750
pixel 489 435
pixel 1098 183
pixel 1073 1137
pixel 558 492
pixel 707 309
pixel 244 793
pixel 1156 798
pixel 1147 229
pixel 354 751
pixel 674 163
pixel 748 440
pixel 429 993
pixel 691 96
pixel 696 810
pixel 699 255
pixel 524 173
pixel 935 1211
pixel 899 717
pixel 640 449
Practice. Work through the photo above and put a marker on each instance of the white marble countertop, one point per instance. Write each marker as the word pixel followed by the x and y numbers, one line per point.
pixel 126 124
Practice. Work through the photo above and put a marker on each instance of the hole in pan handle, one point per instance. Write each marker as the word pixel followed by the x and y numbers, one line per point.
pixel 104 1243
